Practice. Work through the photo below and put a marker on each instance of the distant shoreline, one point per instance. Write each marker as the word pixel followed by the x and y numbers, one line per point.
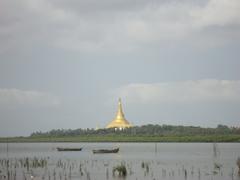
pixel 120 138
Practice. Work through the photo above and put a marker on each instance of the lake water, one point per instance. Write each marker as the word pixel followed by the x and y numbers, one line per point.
pixel 166 161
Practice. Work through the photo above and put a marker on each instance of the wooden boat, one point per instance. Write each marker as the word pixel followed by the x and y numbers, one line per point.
pixel 106 151
pixel 69 149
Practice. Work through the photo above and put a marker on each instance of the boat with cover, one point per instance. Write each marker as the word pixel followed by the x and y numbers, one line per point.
pixel 106 151
pixel 68 149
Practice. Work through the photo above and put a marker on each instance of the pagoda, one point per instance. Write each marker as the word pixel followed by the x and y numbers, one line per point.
pixel 119 122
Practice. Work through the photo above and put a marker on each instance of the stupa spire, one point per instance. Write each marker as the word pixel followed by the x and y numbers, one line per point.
pixel 120 114
pixel 119 121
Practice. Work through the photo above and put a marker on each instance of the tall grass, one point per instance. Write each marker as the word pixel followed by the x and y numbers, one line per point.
pixel 238 164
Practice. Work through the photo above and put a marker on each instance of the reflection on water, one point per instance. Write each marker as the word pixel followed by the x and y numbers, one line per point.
pixel 167 161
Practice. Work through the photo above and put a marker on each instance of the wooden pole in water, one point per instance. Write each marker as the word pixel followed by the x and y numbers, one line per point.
pixel 7 162
pixel 155 147
pixel 7 148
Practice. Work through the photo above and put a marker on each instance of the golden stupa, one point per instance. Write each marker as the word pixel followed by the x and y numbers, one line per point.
pixel 119 122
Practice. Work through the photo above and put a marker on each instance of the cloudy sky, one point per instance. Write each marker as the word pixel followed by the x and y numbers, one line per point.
pixel 65 63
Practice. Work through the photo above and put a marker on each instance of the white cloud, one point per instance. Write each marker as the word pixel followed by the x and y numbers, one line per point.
pixel 208 90
pixel 174 20
pixel 217 12
pixel 110 25
pixel 130 28
pixel 16 97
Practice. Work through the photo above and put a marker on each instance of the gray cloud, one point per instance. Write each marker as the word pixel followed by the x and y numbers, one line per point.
pixel 16 97
pixel 204 91
pixel 217 12
pixel 95 26
pixel 80 50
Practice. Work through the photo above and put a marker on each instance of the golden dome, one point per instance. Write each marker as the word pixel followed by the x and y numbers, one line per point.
pixel 119 121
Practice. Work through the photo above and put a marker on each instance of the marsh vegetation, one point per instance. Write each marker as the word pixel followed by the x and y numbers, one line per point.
pixel 134 161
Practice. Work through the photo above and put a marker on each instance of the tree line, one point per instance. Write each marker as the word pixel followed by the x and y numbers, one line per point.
pixel 145 130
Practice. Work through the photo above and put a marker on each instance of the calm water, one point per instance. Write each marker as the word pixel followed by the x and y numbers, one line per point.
pixel 167 161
